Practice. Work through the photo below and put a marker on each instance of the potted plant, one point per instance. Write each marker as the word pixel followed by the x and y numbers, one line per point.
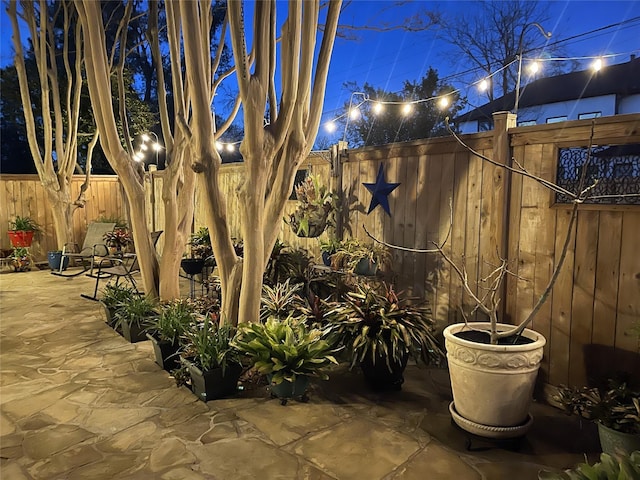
pixel 287 352
pixel 118 240
pixel 212 362
pixel 381 332
pixel 281 301
pixel 615 409
pixel 20 259
pixel 201 252
pixel 328 247
pixel 166 329
pixel 359 258
pixel 315 204
pixel 22 230
pixel 132 316
pixel 616 467
pixel 113 296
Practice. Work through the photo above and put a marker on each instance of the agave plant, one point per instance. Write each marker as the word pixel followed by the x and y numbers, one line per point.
pixel 285 349
pixel 376 325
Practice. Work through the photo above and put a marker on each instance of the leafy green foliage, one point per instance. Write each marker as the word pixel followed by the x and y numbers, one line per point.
pixel 285 349
pixel 620 467
pixel 114 295
pixel 286 263
pixel 315 204
pixel 618 407
pixel 26 224
pixel 377 325
pixel 351 251
pixel 281 301
pixel 136 310
pixel 200 243
pixel 209 345
pixel 175 317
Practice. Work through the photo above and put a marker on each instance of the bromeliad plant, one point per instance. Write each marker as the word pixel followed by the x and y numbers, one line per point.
pixel 119 238
pixel 285 349
pixel 618 407
pixel 350 252
pixel 375 325
pixel 281 301
pixel 316 203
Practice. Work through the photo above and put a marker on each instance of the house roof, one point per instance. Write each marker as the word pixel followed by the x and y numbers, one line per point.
pixel 621 79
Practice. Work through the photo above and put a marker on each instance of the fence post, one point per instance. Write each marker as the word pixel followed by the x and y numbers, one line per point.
pixel 502 122
pixel 337 151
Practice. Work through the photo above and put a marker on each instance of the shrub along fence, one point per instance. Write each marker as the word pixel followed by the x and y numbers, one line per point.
pixel 595 302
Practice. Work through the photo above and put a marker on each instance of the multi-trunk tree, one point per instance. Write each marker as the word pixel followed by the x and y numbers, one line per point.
pixel 272 153
pixel 53 137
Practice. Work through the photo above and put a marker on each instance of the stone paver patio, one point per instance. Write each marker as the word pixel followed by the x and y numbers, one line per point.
pixel 80 402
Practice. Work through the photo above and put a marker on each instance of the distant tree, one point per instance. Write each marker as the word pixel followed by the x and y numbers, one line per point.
pixel 491 37
pixel 391 123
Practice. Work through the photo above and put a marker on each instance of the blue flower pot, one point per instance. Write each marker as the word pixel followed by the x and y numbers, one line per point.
pixel 54 258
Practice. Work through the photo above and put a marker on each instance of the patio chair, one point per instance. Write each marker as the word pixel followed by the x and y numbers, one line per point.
pixel 118 267
pixel 93 246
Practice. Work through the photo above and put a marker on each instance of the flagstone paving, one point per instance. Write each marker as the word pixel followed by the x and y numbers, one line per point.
pixel 79 402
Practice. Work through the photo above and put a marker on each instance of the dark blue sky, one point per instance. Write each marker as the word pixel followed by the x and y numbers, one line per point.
pixel 387 59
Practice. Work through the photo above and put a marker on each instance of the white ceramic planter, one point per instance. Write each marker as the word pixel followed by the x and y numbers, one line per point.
pixel 492 384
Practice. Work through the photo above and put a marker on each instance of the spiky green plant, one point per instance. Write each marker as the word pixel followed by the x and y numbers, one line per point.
pixel 136 310
pixel 285 349
pixel 174 318
pixel 115 294
pixel 281 301
pixel 377 325
pixel 209 345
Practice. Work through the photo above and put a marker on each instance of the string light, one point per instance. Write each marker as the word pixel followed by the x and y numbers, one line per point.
pixel 596 66
pixel 407 107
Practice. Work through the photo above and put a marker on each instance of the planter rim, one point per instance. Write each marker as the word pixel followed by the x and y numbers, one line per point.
pixel 538 340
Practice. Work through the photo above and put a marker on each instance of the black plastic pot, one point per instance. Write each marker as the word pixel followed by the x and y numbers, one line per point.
pixel 165 353
pixel 378 375
pixel 212 384
pixel 366 267
pixel 192 266
pixel 133 332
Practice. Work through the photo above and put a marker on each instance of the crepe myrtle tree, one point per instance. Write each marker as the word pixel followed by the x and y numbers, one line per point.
pixel 271 153
pixel 52 132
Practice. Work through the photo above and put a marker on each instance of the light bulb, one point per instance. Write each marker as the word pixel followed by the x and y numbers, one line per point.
pixel 138 156
pixel 145 137
pixel 143 147
pixel 157 147
pixel 597 65
pixel 483 85
pixel 443 102
pixel 533 67
pixel 377 108
pixel 354 113
pixel 219 146
pixel 330 127
pixel 407 109
pixel 230 147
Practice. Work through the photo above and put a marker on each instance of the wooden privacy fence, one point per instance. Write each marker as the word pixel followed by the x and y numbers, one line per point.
pixel 596 300
pixel 24 195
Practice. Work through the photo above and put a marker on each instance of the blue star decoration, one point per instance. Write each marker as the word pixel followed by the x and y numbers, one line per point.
pixel 380 191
